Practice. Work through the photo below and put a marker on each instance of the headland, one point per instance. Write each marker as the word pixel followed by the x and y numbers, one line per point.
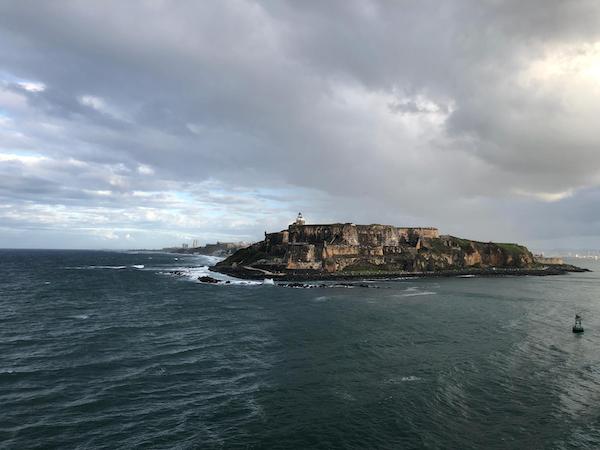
pixel 344 251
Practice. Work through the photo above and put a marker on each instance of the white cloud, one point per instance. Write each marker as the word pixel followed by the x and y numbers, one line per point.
pixel 32 86
pixel 93 102
pixel 546 196
pixel 23 159
pixel 145 170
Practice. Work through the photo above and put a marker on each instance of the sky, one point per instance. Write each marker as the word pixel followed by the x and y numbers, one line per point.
pixel 144 124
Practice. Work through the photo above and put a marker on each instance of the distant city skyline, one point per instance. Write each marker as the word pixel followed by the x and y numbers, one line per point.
pixel 149 124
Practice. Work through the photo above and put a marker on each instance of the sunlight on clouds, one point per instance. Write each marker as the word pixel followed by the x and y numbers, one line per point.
pixel 572 64
pixel 548 197
pixel 32 86
pixel 24 159
pixel 100 193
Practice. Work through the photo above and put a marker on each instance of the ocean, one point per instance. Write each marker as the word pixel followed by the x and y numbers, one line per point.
pixel 107 350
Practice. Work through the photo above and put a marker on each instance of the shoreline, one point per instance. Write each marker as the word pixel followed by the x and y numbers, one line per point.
pixel 247 274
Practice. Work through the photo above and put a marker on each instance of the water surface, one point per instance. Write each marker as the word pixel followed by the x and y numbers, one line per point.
pixel 106 350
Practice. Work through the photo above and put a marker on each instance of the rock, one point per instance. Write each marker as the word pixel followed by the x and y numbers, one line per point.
pixel 207 279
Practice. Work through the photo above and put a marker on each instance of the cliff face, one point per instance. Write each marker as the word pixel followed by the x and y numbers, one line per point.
pixel 363 249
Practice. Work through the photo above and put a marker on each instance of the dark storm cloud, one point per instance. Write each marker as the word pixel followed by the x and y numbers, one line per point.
pixel 435 112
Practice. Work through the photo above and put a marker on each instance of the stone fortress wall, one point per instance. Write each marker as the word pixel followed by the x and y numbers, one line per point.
pixel 331 247
pixel 351 234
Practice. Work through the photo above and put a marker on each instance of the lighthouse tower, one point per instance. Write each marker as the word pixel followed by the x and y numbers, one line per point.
pixel 300 220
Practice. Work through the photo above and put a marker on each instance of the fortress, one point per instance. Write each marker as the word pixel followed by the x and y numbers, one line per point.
pixel 333 247
pixel 346 250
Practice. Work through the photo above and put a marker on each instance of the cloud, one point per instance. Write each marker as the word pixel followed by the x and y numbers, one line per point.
pixel 221 119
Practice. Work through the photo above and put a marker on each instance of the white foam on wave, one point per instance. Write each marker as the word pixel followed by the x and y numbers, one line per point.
pixel 81 316
pixel 210 260
pixel 97 267
pixel 405 379
pixel 138 266
pixel 268 282
pixel 413 291
pixel 193 273
pixel 410 378
pixel 415 294
pixel 466 276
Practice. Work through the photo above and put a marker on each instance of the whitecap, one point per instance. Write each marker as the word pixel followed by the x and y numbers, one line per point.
pixel 405 379
pixel 415 294
pixel 138 266
pixel 410 378
pixel 344 395
pixel 268 282
pixel 81 316
pixel 193 273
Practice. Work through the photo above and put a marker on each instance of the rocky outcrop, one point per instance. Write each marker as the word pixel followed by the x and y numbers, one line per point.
pixel 347 250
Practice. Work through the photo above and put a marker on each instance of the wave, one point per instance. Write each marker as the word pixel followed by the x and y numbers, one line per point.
pixel 405 379
pixel 193 273
pixel 96 267
pixel 138 266
pixel 410 378
pixel 415 294
pixel 80 316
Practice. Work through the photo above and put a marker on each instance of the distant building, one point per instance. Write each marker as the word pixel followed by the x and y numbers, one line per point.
pixel 195 243
pixel 184 245
pixel 300 220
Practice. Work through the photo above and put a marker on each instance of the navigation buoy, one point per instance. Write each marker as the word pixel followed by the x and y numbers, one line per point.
pixel 577 328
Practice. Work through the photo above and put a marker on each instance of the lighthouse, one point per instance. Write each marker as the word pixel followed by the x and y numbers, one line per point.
pixel 300 220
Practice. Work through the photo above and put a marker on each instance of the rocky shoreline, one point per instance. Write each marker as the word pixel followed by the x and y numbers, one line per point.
pixel 240 272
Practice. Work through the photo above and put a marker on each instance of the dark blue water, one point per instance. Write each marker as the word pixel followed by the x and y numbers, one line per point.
pixel 97 353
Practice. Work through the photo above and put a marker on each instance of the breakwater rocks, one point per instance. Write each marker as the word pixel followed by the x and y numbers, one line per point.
pixel 384 275
pixel 348 251
pixel 296 285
